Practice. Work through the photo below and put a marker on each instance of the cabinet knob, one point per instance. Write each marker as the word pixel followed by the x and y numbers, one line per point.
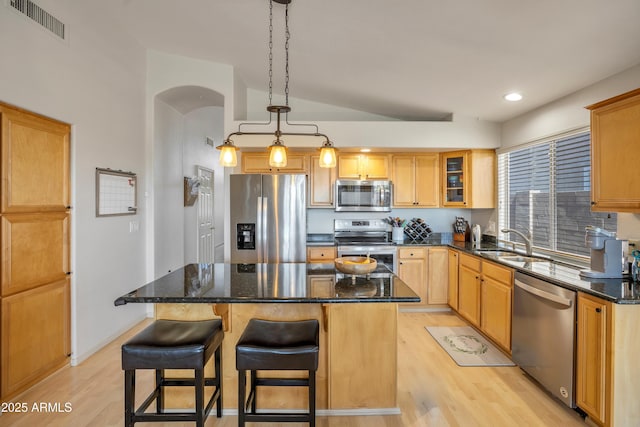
pixel 593 203
pixel 598 310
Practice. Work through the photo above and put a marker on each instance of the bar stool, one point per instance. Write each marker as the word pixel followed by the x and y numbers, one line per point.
pixel 173 344
pixel 277 345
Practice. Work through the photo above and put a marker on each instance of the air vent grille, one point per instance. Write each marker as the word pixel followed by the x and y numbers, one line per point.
pixel 39 15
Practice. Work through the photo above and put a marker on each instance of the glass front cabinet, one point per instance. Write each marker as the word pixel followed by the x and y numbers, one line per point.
pixel 455 179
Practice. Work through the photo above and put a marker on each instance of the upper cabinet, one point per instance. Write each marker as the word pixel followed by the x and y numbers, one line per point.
pixel 615 150
pixel 360 166
pixel 416 180
pixel 258 162
pixel 468 179
pixel 321 184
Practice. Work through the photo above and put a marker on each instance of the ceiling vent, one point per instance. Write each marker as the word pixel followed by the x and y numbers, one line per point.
pixel 39 15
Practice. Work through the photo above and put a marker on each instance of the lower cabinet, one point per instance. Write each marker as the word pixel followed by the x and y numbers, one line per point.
pixel 453 279
pixel 424 269
pixel 485 295
pixel 593 363
pixel 321 253
pixel 35 335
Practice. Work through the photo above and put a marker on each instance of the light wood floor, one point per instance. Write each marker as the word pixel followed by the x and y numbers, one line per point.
pixel 432 391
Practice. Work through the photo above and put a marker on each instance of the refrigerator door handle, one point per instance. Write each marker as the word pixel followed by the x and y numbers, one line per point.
pixel 260 238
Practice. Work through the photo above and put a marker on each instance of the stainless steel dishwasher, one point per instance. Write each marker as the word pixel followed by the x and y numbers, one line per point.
pixel 543 334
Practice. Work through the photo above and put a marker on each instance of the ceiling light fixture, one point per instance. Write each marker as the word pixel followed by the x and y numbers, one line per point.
pixel 277 150
pixel 513 96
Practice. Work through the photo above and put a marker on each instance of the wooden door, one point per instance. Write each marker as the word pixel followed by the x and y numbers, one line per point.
pixel 427 181
pixel 349 166
pixel 496 311
pixel 437 272
pixel 404 192
pixel 469 288
pixel 35 162
pixel 35 335
pixel 412 269
pixel 453 279
pixel 592 362
pixel 321 184
pixel 377 167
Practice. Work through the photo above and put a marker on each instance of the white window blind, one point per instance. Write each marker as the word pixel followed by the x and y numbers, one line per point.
pixel 544 191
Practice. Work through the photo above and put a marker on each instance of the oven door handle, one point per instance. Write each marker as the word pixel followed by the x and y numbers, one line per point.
pixel 543 294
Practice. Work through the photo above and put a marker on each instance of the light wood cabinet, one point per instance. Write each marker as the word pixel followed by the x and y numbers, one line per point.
pixel 321 184
pixel 258 162
pixel 469 288
pixel 361 166
pixel 412 269
pixel 495 303
pixel 321 253
pixel 593 365
pixel 615 132
pixel 485 294
pixel 453 278
pixel 468 179
pixel 416 180
pixel 322 286
pixel 34 224
pixel 437 280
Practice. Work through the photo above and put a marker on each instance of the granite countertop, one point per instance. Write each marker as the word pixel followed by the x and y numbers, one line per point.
pixel 269 283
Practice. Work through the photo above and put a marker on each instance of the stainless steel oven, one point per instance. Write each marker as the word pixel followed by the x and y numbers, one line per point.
pixel 362 237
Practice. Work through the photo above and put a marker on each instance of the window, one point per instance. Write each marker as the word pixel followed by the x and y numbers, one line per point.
pixel 544 191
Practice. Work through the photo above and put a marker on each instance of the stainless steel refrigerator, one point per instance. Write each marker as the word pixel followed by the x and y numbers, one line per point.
pixel 268 218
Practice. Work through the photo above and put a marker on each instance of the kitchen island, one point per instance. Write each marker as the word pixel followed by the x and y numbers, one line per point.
pixel 357 370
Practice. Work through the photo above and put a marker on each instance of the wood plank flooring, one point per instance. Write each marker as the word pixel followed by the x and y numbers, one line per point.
pixel 432 391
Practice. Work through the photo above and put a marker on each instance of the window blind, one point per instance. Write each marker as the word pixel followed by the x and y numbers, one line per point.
pixel 544 191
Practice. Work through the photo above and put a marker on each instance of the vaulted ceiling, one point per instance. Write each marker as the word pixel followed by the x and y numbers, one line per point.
pixel 408 59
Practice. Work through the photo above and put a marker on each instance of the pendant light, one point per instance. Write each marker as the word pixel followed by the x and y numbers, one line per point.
pixel 277 150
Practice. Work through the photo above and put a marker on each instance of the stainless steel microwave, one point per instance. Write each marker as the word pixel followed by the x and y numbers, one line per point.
pixel 363 196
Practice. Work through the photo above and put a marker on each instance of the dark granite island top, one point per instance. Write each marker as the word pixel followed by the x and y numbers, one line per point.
pixel 225 283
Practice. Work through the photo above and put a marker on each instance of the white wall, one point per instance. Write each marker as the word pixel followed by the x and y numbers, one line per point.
pixel 96 83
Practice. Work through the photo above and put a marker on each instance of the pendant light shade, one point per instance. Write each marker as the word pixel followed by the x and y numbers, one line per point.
pixel 228 157
pixel 327 155
pixel 277 154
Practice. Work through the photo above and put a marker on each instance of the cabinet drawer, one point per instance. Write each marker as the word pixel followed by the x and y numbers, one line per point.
pixel 412 252
pixel 470 261
pixel 499 273
pixel 321 254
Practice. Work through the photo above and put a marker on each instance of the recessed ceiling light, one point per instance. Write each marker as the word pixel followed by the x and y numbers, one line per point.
pixel 513 96
pixel 365 150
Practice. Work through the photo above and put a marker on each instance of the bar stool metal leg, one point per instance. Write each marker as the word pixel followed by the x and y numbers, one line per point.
pixel 242 387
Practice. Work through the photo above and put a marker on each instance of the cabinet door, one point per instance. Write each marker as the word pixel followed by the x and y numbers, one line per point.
pixel 427 182
pixel 453 279
pixel 592 364
pixel 437 282
pixel 412 269
pixel 496 311
pixel 376 167
pixel 34 250
pixel 35 335
pixel 469 294
pixel 321 253
pixel 259 163
pixel 35 162
pixel 322 286
pixel 321 184
pixel 615 132
pixel 404 191
pixel 349 166
pixel 455 179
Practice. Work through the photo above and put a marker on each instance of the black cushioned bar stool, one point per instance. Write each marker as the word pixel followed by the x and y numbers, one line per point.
pixel 173 344
pixel 272 346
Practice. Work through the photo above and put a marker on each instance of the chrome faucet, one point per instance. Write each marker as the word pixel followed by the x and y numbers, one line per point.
pixel 527 240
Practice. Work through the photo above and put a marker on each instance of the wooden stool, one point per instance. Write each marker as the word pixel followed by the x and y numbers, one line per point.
pixel 272 346
pixel 173 344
